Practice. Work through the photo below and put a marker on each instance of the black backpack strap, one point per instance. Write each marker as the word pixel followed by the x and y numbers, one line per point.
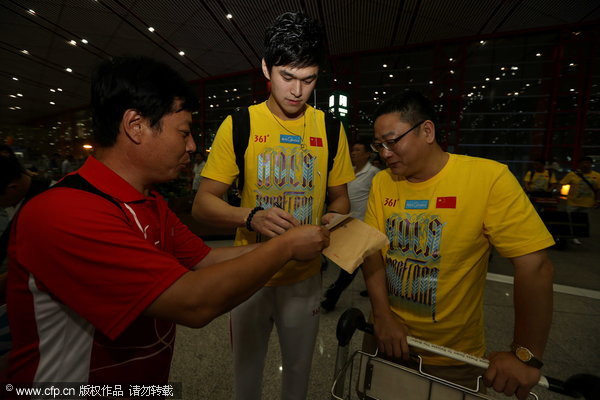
pixel 76 181
pixel 332 130
pixel 586 181
pixel 241 135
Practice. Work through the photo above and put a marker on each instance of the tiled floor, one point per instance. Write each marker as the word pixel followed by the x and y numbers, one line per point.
pixel 202 359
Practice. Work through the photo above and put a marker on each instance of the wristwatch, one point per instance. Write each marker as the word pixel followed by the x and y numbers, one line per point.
pixel 526 356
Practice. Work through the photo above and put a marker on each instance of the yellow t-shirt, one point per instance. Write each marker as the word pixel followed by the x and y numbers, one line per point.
pixel 580 193
pixel 285 166
pixel 440 234
pixel 540 182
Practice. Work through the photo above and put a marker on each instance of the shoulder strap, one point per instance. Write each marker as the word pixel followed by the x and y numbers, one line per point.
pixel 241 135
pixel 332 129
pixel 586 181
pixel 76 181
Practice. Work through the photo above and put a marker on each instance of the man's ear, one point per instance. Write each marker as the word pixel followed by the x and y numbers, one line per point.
pixel 265 70
pixel 132 125
pixel 429 130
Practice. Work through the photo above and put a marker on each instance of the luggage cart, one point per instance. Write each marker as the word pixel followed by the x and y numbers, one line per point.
pixel 368 377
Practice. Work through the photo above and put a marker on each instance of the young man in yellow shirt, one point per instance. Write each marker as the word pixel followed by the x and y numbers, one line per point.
pixel 286 183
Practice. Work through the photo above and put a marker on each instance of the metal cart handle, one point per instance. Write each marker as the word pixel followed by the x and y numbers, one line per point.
pixel 576 386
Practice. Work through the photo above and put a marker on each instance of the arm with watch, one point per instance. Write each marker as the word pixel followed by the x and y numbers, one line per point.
pixel 517 370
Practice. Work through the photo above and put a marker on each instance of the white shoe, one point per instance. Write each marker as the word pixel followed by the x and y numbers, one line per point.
pixel 576 241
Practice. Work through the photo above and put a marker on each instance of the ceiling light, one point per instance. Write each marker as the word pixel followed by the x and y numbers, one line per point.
pixel 384 65
pixel 487 79
pixel 570 65
pixel 15 78
pixel 73 43
pixel 13 96
pixel 51 102
pixel 68 69
pixel 408 67
pixel 514 68
pixel 482 42
pixel 229 16
pixel 538 54
pixel 391 75
pixel 30 11
pixel 24 52
pixel 151 29
pixel 53 90
pixel 84 41
pixel 59 89
pixel 451 59
pixel 431 82
pixel 182 53
pixel 452 71
pixel 497 78
pixel 19 94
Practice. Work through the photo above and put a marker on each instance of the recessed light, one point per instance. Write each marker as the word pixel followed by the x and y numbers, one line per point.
pixel 19 94
pixel 24 52
pixel 182 53
pixel 68 69
pixel 15 78
pixel 72 43
pixel 151 29
pixel 84 41
pixel 229 16
pixel 59 89
pixel 30 11
pixel 53 103
pixel 53 90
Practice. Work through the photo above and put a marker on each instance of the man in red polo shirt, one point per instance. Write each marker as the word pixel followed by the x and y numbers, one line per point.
pixel 101 270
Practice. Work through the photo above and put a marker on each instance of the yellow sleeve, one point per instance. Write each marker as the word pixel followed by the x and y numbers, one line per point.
pixel 567 179
pixel 511 222
pixel 342 171
pixel 221 165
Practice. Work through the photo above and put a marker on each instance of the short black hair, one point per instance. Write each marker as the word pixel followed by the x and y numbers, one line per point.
pixel 412 105
pixel 294 39
pixel 10 167
pixel 135 82
pixel 362 142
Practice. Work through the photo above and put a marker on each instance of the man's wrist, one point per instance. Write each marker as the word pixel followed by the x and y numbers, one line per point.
pixel 250 216
pixel 525 355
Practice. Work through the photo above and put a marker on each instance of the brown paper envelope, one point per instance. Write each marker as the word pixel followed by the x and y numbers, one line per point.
pixel 351 241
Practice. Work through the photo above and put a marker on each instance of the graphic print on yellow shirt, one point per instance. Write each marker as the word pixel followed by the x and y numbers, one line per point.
pixel 286 179
pixel 413 260
pixel 581 193
pixel 286 167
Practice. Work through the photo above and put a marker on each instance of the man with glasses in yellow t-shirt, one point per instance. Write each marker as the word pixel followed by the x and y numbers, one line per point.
pixel 442 214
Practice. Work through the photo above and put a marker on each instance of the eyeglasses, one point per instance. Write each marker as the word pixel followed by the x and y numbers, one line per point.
pixel 388 144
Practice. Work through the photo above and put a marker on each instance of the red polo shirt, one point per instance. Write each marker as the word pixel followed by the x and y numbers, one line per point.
pixel 81 272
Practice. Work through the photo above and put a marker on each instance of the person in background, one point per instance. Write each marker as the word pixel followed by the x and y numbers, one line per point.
pixel 540 181
pixel 442 214
pixel 100 270
pixel 199 163
pixel 68 165
pixel 358 193
pixel 17 186
pixel 584 191
pixel 286 183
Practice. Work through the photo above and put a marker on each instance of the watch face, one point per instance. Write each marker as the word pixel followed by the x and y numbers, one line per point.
pixel 523 354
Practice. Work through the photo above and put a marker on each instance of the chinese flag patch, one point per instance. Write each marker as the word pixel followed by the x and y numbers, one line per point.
pixel 316 141
pixel 446 202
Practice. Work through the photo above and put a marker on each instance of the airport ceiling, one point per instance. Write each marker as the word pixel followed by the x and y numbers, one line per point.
pixel 48 47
